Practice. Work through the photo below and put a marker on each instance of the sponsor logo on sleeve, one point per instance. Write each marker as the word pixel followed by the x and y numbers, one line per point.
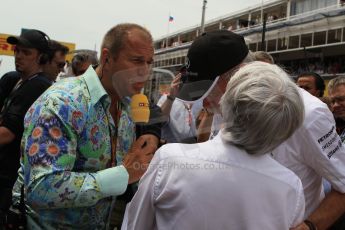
pixel 330 142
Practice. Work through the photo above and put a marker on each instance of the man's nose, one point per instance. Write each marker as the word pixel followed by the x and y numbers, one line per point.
pixel 335 104
pixel 144 70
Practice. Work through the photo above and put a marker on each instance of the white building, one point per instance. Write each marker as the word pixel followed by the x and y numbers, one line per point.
pixel 300 34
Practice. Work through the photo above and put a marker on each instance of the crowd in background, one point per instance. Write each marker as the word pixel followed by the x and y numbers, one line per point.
pixel 326 66
pixel 234 135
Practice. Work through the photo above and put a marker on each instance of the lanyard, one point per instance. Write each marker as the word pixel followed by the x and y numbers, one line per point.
pixel 189 119
pixel 117 117
pixel 8 100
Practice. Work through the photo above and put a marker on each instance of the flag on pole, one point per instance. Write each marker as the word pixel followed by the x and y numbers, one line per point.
pixel 171 18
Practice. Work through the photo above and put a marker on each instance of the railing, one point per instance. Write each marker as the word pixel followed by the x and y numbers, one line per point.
pixel 293 17
pixel 243 11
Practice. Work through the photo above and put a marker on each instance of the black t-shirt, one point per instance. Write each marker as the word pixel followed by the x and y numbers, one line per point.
pixel 15 106
pixel 7 82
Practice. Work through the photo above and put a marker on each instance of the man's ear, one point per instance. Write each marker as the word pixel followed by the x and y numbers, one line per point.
pixel 318 93
pixel 105 56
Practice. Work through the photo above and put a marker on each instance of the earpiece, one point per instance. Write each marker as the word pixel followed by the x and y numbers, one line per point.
pixel 106 60
pixel 44 57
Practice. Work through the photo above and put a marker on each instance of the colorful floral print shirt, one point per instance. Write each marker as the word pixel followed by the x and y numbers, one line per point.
pixel 66 146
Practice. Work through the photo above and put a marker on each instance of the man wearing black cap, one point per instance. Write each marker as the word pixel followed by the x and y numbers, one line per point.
pixel 18 90
pixel 313 152
pixel 211 60
pixel 212 57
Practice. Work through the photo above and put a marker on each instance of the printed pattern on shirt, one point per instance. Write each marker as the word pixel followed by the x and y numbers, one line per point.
pixel 66 141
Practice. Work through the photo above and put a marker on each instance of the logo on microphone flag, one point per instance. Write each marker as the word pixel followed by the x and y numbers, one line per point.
pixel 140 111
pixel 142 104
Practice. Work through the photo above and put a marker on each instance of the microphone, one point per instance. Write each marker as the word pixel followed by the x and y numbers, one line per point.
pixel 140 111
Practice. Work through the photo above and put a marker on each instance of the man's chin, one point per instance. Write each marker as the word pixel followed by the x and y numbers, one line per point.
pixel 136 91
pixel 19 69
pixel 131 94
pixel 342 117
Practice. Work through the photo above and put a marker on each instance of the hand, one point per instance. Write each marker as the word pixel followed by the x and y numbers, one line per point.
pixel 175 85
pixel 138 159
pixel 151 142
pixel 301 226
pixel 203 125
pixel 211 106
pixel 205 113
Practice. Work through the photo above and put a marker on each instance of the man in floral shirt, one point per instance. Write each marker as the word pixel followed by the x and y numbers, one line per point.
pixel 79 148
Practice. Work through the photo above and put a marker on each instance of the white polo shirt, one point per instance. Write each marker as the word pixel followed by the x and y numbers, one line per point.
pixel 214 185
pixel 314 151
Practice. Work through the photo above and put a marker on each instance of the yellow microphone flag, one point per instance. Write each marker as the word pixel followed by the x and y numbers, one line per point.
pixel 140 111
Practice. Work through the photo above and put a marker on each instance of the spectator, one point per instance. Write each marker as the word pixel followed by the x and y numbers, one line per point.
pixel 311 82
pixel 336 92
pixel 56 60
pixel 18 90
pixel 81 62
pixel 181 122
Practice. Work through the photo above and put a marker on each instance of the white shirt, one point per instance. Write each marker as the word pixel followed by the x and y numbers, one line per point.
pixel 314 151
pixel 213 185
pixel 181 125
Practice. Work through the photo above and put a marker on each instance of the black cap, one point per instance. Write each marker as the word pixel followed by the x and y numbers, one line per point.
pixel 210 55
pixel 31 39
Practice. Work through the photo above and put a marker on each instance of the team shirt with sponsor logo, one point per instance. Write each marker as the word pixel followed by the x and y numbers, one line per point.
pixel 314 151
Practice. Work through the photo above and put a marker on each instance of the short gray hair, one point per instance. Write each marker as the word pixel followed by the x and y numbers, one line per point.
pixel 263 56
pixel 82 57
pixel 335 82
pixel 261 108
pixel 115 38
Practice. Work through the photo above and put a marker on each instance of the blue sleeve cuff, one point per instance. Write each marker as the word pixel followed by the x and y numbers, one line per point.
pixel 113 181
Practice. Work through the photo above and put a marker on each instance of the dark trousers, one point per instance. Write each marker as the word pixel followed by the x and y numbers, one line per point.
pixel 5 203
pixel 5 198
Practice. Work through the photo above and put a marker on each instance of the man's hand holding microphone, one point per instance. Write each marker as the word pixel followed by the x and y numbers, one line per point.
pixel 139 156
pixel 138 159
